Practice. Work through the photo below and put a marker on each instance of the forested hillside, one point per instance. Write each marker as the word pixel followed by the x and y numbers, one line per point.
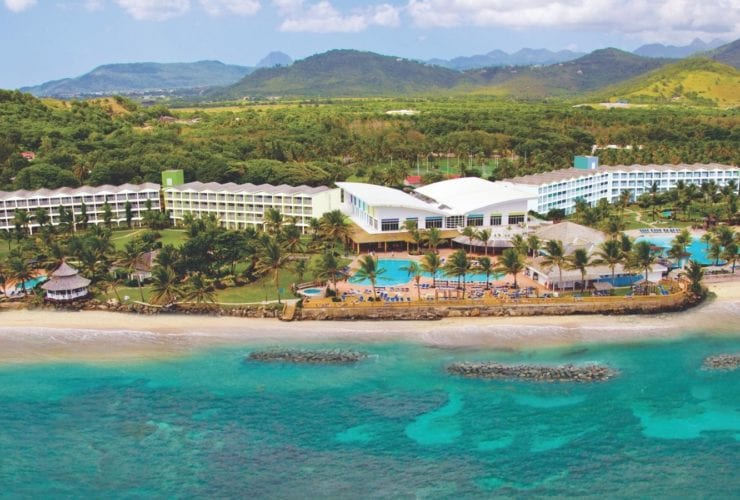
pixel 318 142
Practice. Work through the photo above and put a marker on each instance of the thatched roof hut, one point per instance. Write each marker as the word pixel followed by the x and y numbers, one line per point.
pixel 66 284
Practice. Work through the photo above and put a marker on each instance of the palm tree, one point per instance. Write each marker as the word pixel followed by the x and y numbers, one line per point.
pixel 683 240
pixel 580 260
pixel 676 252
pixel 534 244
pixel 470 233
pixel 21 221
pixel 20 271
pixel 457 266
pixel 273 221
pixel 431 263
pixel 555 256
pixel 271 259
pixel 695 273
pixel 415 271
pixel 165 287
pixel 625 242
pixel 715 251
pixel 300 267
pixel 335 227
pixel 200 290
pixel 7 236
pixel 42 217
pixel 511 262
pixel 291 238
pixel 434 238
pixel 642 257
pixel 519 244
pixel 729 253
pixel 128 258
pixel 624 199
pixel 609 253
pixel 485 265
pixel 653 197
pixel 3 277
pixel 369 271
pixel 613 226
pixel 707 238
pixel 484 235
pixel 328 268
pixel 110 281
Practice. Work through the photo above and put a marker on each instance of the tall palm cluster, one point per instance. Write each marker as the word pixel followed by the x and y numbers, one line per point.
pixel 211 257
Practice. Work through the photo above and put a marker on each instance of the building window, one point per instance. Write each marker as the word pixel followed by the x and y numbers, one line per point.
pixel 433 222
pixel 496 220
pixel 454 221
pixel 475 220
pixel 516 219
pixel 389 225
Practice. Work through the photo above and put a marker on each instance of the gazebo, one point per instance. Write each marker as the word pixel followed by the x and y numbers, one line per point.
pixel 66 284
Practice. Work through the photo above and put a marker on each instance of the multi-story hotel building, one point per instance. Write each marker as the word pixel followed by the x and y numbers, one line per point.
pixel 561 188
pixel 93 198
pixel 240 205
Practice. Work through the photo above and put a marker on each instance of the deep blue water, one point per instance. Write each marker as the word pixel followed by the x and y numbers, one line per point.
pixel 394 425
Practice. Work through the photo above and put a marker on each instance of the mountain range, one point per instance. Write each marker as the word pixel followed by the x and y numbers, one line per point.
pixel 677 52
pixel 523 57
pixel 352 73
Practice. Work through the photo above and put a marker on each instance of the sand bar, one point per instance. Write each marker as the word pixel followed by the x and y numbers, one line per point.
pixel 45 336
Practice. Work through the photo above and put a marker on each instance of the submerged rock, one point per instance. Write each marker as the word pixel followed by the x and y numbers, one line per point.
pixel 320 356
pixel 722 362
pixel 569 372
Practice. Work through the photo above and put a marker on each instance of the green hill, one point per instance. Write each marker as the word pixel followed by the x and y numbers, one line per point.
pixel 592 71
pixel 728 54
pixel 142 77
pixel 344 73
pixel 692 81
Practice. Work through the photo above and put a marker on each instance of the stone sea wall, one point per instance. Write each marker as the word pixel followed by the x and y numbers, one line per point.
pixel 544 373
pixel 440 310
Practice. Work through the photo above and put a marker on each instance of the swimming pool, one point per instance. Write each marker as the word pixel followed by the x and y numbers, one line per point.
pixel 395 275
pixel 697 248
pixel 29 284
pixel 312 292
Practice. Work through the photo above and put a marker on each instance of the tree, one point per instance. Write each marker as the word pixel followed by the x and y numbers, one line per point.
pixel 199 290
pixel 715 251
pixel 369 271
pixel 485 265
pixel 653 197
pixel 555 256
pixel 291 238
pixel 609 253
pixel 625 196
pixel 21 222
pixel 129 211
pixel 707 239
pixel 300 266
pixel 272 258
pixel 457 266
pixel 432 263
pixel 19 271
pixel 519 244
pixel 165 287
pixel 41 215
pixel 434 238
pixel 107 215
pixel 84 218
pixel 327 268
pixel 695 273
pixel 642 257
pixel 334 227
pixel 511 262
pixel 469 233
pixel 128 258
pixel 580 260
pixel 484 235
pixel 273 221
pixel 534 244
pixel 415 271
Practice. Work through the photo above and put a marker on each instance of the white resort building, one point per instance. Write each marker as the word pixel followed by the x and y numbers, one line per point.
pixel 560 189
pixel 93 198
pixel 380 213
pixel 240 205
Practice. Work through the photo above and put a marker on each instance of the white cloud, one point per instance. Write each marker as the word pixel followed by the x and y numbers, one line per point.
pixel 322 17
pixel 154 10
pixel 238 7
pixel 19 5
pixel 671 20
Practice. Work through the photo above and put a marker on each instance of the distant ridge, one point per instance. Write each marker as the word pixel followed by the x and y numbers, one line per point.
pixel 677 52
pixel 344 73
pixel 142 77
pixel 728 54
pixel 523 57
pixel 275 59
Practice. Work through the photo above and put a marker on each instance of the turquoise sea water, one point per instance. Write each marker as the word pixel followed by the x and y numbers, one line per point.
pixel 394 275
pixel 213 425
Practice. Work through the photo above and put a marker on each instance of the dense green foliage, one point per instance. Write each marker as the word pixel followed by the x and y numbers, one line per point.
pixel 117 141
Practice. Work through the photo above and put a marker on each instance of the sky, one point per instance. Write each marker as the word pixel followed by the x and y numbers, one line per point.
pixel 43 40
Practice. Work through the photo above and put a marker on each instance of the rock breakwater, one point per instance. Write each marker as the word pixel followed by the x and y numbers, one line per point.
pixel 562 373
pixel 321 356
pixel 722 362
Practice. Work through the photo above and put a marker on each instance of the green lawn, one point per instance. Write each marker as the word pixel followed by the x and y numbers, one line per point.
pixel 174 237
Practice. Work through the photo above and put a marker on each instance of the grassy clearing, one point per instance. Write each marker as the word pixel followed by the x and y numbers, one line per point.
pixel 174 237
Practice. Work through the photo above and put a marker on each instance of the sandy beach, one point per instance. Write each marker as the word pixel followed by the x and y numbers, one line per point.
pixel 41 336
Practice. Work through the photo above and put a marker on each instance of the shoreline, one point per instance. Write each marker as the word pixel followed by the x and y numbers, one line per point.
pixel 99 337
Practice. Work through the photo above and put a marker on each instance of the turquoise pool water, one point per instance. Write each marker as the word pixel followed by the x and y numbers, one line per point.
pixel 697 248
pixel 394 275
pixel 32 283
pixel 211 425
pixel 311 291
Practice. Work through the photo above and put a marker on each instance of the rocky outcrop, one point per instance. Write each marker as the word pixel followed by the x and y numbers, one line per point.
pixel 321 356
pixel 726 362
pixel 563 373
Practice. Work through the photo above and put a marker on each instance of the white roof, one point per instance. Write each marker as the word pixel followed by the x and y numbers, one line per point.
pixel 467 194
pixel 230 187
pixel 381 196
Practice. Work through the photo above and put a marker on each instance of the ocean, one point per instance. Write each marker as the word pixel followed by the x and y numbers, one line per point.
pixel 210 424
